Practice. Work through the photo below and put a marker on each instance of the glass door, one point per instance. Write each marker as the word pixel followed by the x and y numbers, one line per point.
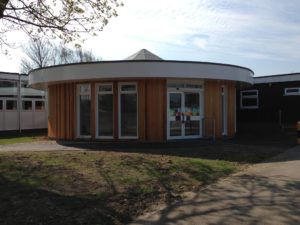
pixel 184 115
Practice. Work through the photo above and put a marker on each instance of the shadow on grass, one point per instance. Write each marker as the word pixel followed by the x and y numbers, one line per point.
pixel 237 150
pixel 22 204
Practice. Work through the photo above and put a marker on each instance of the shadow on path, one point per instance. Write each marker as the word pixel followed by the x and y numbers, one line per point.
pixel 244 199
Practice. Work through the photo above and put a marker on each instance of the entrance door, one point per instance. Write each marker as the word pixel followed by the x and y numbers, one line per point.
pixel 184 115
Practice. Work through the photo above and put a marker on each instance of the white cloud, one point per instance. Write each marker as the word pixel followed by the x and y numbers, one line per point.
pixel 233 31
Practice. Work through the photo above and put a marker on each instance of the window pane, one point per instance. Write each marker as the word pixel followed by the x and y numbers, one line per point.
pixel 192 104
pixel 128 87
pixel 39 105
pixel 1 104
pixel 105 88
pixel 105 115
pixel 175 128
pixel 128 115
pixel 249 93
pixel 26 105
pixel 85 114
pixel 175 104
pixel 250 102
pixel 84 88
pixel 192 127
pixel 8 88
pixel 11 105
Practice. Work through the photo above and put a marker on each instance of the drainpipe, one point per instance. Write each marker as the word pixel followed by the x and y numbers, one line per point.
pixel 19 104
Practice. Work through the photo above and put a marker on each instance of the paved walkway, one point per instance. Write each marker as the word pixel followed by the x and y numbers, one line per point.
pixel 36 146
pixel 267 193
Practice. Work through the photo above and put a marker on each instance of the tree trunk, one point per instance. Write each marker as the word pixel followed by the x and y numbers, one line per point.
pixel 3 4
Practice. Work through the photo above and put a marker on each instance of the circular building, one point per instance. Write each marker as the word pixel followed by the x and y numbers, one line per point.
pixel 142 97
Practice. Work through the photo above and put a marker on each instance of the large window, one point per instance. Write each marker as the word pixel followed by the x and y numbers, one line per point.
pixel 27 105
pixel 105 112
pixel 292 91
pixel 128 116
pixel 249 99
pixel 84 110
pixel 11 105
pixel 39 105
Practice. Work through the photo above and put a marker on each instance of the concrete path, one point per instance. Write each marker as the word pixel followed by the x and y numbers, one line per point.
pixel 267 193
pixel 36 146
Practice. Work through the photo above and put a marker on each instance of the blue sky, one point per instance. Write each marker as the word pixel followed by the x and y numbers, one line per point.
pixel 261 35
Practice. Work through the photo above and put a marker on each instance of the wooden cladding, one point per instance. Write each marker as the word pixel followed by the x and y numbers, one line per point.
pixel 213 107
pixel 151 110
pixel 62 113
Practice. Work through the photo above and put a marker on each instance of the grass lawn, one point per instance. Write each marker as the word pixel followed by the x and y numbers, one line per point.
pixel 20 138
pixel 96 187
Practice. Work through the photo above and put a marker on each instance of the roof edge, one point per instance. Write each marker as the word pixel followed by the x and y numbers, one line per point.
pixel 137 61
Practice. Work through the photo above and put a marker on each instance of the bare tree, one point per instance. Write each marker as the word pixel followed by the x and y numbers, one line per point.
pixel 39 53
pixel 42 53
pixel 64 19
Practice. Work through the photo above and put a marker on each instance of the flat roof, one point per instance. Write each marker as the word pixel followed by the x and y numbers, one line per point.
pixel 289 77
pixel 41 78
pixel 13 76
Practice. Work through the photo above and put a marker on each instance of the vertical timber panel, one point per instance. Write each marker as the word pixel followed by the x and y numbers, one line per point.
pixel 156 108
pixel 212 108
pixel 61 118
pixel 142 110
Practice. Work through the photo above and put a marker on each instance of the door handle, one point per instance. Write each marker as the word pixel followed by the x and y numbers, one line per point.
pixel 182 118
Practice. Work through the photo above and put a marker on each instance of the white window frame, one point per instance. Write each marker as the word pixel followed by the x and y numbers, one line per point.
pixel 255 96
pixel 224 100
pixel 286 93
pixel 97 92
pixel 120 92
pixel 78 94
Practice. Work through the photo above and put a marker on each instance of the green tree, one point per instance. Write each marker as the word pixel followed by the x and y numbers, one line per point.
pixel 64 19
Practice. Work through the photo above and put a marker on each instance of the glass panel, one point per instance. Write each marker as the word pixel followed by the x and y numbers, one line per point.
pixel 1 104
pixel 197 86
pixel 175 85
pixel 85 88
pixel 128 87
pixel 175 128
pixel 292 90
pixel 39 105
pixel 105 115
pixel 249 102
pixel 192 104
pixel 249 93
pixel 105 88
pixel 26 105
pixel 175 105
pixel 192 127
pixel 128 115
pixel 8 88
pixel 175 110
pixel 11 104
pixel 85 115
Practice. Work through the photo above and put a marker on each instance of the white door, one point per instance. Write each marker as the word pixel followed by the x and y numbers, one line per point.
pixel 184 115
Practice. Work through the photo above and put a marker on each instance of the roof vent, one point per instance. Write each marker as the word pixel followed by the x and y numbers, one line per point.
pixel 143 54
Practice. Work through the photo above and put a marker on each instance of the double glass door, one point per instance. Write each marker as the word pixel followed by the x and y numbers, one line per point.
pixel 184 114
